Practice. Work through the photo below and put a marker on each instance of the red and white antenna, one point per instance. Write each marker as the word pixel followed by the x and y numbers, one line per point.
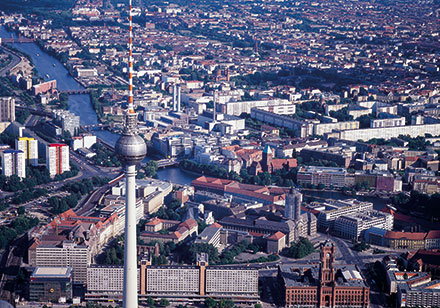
pixel 130 61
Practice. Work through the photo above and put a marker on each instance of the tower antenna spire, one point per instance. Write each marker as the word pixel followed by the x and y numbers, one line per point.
pixel 130 59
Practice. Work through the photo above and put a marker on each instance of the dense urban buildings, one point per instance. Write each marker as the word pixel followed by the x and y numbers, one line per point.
pixel 282 136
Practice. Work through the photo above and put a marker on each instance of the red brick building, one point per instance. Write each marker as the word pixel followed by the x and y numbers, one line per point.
pixel 323 285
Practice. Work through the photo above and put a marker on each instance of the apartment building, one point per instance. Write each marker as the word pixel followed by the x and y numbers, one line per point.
pixel 67 120
pixel 83 141
pixel 29 146
pixel 14 163
pixel 57 158
pixel 105 278
pixel 193 283
pixel 388 132
pixel 391 121
pixel 7 109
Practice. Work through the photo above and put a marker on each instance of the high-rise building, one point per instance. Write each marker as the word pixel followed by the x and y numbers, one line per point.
pixel 57 158
pixel 29 146
pixel 65 254
pixel 7 109
pixel 13 162
pixel 292 208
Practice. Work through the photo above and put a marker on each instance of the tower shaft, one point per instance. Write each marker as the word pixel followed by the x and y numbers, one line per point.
pixel 130 299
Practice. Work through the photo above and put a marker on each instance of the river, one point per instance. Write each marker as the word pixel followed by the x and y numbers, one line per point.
pixel 81 105
pixel 50 68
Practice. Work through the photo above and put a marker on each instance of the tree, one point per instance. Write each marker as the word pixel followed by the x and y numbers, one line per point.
pixel 258 306
pixel 150 301
pixel 151 168
pixel 300 249
pixel 21 210
pixel 210 302
pixel 164 302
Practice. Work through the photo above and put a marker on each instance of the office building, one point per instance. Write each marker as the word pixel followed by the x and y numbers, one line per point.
pixel 13 163
pixel 7 109
pixel 327 176
pixel 51 284
pixel 323 285
pixel 330 210
pixel 62 254
pixel 353 226
pixel 57 158
pixel 29 146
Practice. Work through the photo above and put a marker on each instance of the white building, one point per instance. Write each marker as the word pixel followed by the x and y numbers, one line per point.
pixel 13 162
pixel 68 254
pixel 106 279
pixel 83 141
pixel 353 226
pixel 57 158
pixel 7 109
pixel 237 108
pixel 29 146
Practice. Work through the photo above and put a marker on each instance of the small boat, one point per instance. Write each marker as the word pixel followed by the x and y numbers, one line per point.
pixel 47 76
pixel 38 54
pixel 54 64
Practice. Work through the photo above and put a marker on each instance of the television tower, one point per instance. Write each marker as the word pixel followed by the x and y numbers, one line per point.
pixel 131 150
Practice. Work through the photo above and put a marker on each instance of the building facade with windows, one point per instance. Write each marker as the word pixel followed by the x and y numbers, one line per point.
pixel 323 285
pixel 51 284
pixel 7 109
pixel 29 146
pixel 14 163
pixel 57 158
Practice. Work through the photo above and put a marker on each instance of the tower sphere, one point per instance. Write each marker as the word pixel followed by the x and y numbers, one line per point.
pixel 131 149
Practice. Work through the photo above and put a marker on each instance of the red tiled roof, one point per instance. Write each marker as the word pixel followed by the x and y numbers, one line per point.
pixel 276 236
pixel 405 235
pixel 433 234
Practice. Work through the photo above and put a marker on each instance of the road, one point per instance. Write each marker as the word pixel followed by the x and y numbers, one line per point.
pixel 14 62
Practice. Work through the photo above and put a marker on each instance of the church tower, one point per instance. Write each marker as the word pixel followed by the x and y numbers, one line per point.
pixel 266 162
